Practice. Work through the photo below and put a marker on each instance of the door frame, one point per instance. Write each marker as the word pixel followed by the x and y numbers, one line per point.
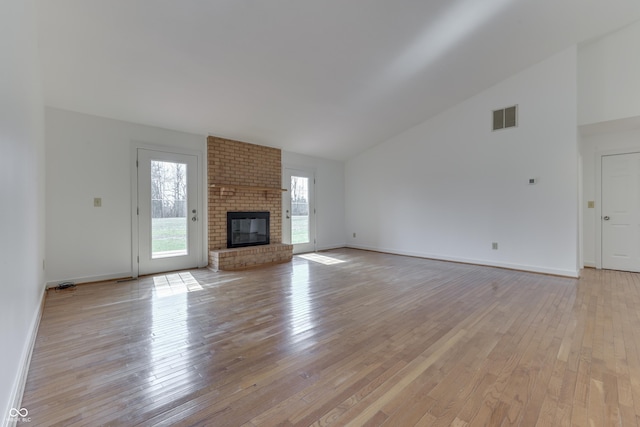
pixel 202 223
pixel 286 231
pixel 598 196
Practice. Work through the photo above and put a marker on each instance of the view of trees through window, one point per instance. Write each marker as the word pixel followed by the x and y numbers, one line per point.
pixel 168 208
pixel 168 190
pixel 299 209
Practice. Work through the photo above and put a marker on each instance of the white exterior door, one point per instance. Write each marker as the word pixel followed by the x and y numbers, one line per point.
pixel 298 217
pixel 620 219
pixel 167 212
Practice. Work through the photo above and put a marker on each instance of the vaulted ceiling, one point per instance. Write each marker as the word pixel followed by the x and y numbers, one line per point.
pixel 328 78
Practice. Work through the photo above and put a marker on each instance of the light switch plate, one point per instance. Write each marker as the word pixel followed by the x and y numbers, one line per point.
pixel 97 202
pixel 591 204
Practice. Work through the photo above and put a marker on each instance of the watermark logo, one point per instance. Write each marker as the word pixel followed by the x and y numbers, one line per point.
pixel 19 415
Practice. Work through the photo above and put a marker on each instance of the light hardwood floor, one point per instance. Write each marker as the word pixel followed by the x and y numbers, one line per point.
pixel 344 337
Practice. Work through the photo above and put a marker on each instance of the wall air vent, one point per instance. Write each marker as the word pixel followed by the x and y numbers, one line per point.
pixel 505 118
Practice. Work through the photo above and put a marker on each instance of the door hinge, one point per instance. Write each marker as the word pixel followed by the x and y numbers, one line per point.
pixel 137 211
pixel 138 259
pixel 136 163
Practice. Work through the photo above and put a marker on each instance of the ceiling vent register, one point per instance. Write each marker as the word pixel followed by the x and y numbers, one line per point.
pixel 505 118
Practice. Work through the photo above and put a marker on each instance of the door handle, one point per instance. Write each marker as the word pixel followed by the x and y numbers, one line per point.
pixel 288 214
pixel 606 218
pixel 194 219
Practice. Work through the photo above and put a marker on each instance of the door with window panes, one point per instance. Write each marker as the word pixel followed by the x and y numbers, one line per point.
pixel 299 226
pixel 167 211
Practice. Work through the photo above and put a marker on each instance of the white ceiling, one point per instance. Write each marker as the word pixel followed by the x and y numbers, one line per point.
pixel 328 78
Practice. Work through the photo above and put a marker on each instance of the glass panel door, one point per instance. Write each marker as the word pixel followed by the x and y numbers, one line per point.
pixel 169 222
pixel 299 210
pixel 167 212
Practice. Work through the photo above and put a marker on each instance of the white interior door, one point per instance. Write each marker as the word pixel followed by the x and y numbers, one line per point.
pixel 621 212
pixel 168 217
pixel 299 219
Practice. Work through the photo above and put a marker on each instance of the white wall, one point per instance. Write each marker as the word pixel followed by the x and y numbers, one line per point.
pixel 87 157
pixel 608 112
pixel 608 83
pixel 591 147
pixel 449 187
pixel 22 195
pixel 330 207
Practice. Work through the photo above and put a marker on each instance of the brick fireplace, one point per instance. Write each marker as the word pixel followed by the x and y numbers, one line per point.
pixel 244 177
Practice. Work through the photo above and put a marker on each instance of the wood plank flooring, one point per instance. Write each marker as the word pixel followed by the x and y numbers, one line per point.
pixel 343 337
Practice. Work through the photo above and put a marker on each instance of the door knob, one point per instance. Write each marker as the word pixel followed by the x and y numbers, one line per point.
pixel 194 219
pixel 606 218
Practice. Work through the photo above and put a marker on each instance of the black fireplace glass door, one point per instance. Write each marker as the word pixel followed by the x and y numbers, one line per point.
pixel 247 229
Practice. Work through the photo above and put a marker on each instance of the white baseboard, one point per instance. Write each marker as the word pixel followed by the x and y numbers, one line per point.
pixel 89 279
pixel 329 247
pixel 488 263
pixel 20 381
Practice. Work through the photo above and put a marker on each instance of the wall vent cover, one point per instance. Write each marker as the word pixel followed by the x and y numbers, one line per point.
pixel 505 118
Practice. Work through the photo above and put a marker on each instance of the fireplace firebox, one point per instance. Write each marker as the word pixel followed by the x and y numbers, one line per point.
pixel 247 229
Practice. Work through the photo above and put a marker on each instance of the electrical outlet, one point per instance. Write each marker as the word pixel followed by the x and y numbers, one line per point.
pixel 97 202
pixel 494 246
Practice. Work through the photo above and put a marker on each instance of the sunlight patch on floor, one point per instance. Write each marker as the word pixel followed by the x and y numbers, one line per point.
pixel 322 259
pixel 175 284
